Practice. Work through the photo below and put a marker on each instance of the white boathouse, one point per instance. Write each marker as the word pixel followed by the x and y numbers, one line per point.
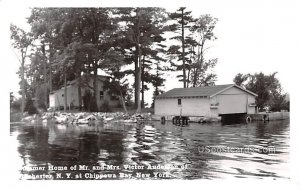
pixel 207 101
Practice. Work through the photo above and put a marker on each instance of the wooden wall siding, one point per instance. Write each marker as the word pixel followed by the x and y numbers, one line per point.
pixel 57 99
pixel 230 101
pixel 188 107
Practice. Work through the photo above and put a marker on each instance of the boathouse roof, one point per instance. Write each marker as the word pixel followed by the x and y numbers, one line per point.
pixel 194 92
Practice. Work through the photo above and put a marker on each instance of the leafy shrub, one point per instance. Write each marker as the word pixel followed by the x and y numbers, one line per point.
pixel 105 107
pixel 29 107
pixel 16 105
pixel 93 104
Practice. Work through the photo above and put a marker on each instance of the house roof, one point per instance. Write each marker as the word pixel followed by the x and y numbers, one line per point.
pixel 73 82
pixel 206 91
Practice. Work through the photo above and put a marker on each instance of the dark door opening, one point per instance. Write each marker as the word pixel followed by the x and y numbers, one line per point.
pixel 229 119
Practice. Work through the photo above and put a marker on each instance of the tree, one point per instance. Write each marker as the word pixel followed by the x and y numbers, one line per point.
pixel 113 62
pixel 157 82
pixel 62 63
pixel 278 102
pixel 77 40
pixel 153 51
pixel 36 77
pixel 240 79
pixel 21 40
pixel 159 66
pixel 267 87
pixel 45 24
pixel 99 27
pixel 46 27
pixel 139 72
pixel 201 69
pixel 183 19
pixel 141 29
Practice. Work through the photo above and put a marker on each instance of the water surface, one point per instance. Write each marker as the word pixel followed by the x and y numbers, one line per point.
pixel 115 146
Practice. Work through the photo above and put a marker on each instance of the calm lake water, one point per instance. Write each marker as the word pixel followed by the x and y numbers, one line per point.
pixel 152 150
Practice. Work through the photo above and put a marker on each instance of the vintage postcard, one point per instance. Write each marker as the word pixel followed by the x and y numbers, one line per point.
pixel 195 91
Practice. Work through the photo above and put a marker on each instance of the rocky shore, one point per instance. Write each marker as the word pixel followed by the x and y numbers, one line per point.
pixel 87 117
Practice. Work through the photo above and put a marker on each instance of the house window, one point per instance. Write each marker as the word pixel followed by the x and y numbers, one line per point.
pixel 101 95
pixel 179 102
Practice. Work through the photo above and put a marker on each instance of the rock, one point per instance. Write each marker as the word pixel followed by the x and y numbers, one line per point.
pixel 82 121
pixel 28 118
pixel 132 120
pixel 61 118
pixel 50 109
pixel 44 122
pixel 47 115
pixel 108 118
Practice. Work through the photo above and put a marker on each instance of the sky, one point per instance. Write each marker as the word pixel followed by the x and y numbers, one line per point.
pixel 252 36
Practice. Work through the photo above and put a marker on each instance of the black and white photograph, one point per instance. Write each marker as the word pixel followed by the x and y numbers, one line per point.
pixel 150 92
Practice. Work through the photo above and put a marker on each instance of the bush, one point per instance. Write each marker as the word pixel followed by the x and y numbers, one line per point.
pixel 93 104
pixel 41 97
pixel 105 107
pixel 30 108
pixel 16 105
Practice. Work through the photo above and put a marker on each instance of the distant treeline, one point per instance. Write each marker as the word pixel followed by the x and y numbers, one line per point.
pixel 268 88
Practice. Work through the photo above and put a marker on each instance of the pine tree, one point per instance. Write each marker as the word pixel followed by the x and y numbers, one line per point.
pixel 141 32
pixel 183 21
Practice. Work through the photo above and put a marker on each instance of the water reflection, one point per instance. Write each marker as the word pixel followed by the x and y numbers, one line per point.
pixel 153 144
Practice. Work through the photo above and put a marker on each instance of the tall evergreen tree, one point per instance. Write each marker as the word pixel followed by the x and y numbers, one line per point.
pixel 183 20
pixel 141 31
